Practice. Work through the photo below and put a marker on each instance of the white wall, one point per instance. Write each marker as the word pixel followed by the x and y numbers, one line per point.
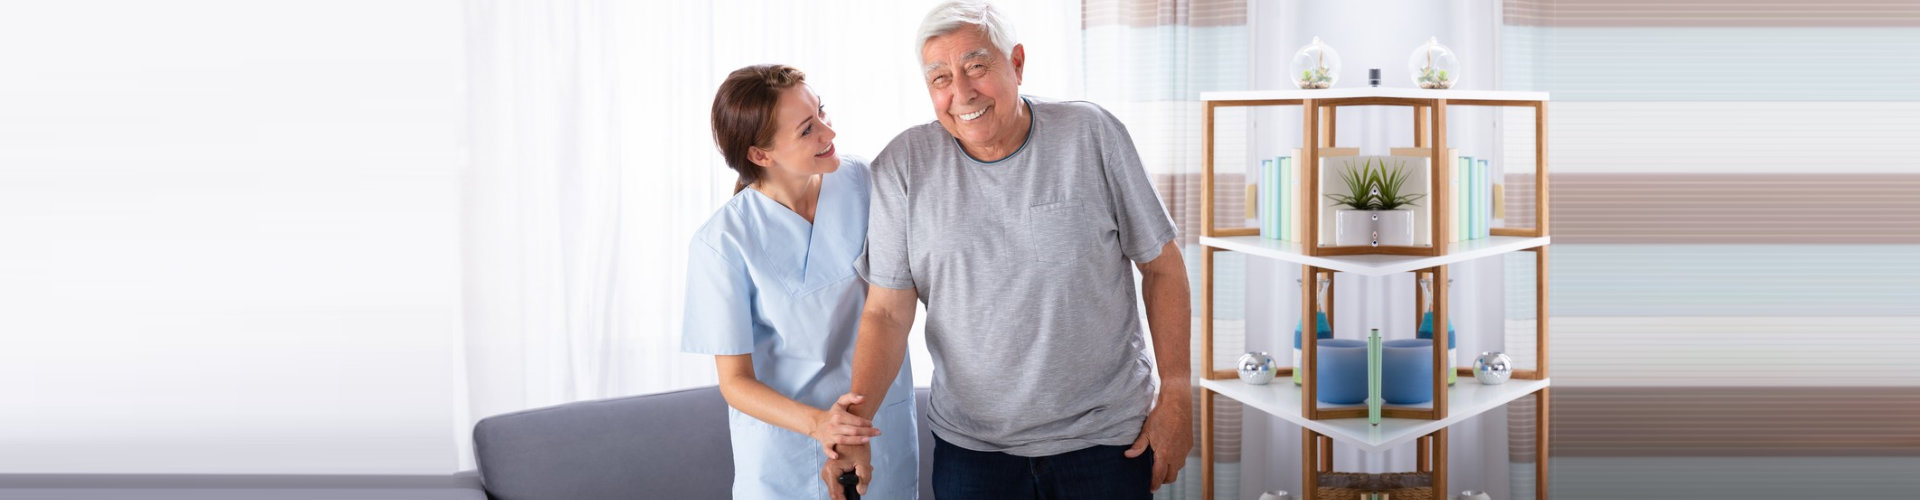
pixel 229 236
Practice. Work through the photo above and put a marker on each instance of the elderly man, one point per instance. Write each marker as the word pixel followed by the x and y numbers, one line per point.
pixel 1015 220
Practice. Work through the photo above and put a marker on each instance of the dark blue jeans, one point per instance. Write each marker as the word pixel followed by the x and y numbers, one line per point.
pixel 1100 472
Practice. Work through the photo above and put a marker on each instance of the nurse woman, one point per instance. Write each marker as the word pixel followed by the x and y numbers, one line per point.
pixel 773 293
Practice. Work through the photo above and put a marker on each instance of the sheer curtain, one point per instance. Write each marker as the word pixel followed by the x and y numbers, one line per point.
pixel 592 164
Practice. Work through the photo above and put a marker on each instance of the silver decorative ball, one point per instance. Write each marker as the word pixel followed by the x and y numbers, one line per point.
pixel 1493 368
pixel 1256 368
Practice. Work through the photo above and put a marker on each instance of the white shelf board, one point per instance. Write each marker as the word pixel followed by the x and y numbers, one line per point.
pixel 1374 265
pixel 1399 92
pixel 1464 400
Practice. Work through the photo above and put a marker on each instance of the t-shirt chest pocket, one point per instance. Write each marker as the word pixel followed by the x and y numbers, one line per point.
pixel 1058 231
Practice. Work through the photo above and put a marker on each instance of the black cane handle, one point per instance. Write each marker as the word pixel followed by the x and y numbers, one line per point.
pixel 850 485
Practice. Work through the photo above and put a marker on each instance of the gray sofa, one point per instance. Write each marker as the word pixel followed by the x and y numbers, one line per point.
pixel 670 446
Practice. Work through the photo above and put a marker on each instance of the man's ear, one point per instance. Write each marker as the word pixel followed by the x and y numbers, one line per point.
pixel 1019 57
pixel 759 157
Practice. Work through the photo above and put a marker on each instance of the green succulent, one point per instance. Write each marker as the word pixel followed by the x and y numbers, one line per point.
pixel 1377 187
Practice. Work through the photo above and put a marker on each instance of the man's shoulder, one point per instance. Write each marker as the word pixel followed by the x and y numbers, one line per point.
pixel 921 135
pixel 913 143
pixel 1070 110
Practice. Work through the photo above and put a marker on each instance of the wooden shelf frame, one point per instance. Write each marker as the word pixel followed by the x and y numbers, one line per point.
pixel 1320 115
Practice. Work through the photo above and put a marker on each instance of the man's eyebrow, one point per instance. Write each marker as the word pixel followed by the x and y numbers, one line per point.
pixel 979 53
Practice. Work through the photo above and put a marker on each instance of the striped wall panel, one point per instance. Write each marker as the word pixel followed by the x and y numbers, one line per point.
pixel 1736 422
pixel 1725 137
pixel 1736 64
pixel 1211 58
pixel 1151 13
pixel 1712 13
pixel 1181 194
pixel 1734 351
pixel 1742 478
pixel 1752 282
pixel 1735 208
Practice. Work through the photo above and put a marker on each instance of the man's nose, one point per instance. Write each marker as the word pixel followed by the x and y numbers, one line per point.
pixel 963 87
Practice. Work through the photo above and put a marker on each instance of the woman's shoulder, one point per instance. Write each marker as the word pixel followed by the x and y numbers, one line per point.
pixel 855 162
pixel 724 231
pixel 856 167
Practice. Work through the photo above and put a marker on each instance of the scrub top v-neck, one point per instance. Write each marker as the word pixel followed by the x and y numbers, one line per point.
pixel 762 280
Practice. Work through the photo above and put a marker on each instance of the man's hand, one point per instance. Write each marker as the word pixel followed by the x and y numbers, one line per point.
pixel 837 426
pixel 1169 431
pixel 856 458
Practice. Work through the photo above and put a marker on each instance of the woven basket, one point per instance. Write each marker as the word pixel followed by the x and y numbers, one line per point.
pixel 1396 486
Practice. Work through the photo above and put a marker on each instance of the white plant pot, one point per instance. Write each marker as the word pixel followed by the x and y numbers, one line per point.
pixel 1361 228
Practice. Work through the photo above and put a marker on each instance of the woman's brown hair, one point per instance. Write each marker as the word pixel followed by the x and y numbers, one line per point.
pixel 743 114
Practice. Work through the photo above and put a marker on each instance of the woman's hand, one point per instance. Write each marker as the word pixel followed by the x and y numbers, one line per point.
pixel 835 426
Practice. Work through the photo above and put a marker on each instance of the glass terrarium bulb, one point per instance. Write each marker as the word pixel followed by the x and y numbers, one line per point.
pixel 1315 66
pixel 1433 65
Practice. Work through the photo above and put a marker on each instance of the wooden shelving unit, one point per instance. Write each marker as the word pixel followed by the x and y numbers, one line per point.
pixel 1322 424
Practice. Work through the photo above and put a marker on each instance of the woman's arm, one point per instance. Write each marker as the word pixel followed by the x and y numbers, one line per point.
pixel 831 426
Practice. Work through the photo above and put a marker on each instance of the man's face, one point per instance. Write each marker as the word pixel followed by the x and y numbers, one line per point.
pixel 975 87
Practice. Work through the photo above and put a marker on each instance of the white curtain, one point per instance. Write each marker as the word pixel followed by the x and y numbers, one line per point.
pixel 543 209
pixel 593 163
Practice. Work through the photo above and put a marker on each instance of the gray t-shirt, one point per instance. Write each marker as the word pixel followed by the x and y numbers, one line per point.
pixel 1025 267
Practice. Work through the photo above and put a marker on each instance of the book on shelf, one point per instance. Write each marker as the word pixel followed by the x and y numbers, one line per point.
pixel 1290 177
pixel 1473 198
pixel 1457 178
pixel 1269 205
pixel 1279 198
pixel 1484 200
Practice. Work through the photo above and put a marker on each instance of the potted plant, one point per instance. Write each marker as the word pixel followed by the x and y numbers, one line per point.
pixel 1375 213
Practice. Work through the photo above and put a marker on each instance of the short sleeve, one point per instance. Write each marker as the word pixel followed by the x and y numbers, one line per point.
pixel 888 229
pixel 1145 227
pixel 719 313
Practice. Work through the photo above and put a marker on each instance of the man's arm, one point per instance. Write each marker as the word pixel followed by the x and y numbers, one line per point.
pixel 881 345
pixel 1169 427
pixel 877 354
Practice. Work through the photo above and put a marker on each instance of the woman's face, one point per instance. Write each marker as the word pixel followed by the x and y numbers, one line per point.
pixel 802 136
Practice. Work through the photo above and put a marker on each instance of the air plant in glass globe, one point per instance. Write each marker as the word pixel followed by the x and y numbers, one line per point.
pixel 1315 66
pixel 1433 65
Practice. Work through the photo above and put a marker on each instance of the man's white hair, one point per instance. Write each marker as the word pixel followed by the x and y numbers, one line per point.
pixel 952 15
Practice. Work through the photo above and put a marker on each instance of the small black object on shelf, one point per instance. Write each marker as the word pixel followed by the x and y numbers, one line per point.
pixel 1373 77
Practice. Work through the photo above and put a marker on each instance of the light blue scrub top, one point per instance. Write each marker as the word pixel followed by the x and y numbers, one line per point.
pixel 761 280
